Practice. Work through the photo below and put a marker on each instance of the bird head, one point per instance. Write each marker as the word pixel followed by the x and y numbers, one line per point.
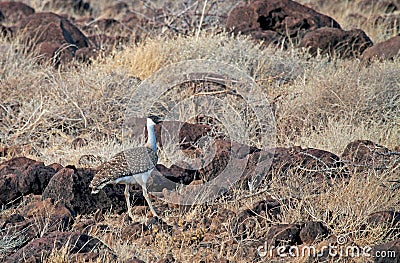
pixel 93 186
pixel 153 120
pixel 98 182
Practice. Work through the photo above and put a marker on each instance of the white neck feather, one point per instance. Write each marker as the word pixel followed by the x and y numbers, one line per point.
pixel 151 135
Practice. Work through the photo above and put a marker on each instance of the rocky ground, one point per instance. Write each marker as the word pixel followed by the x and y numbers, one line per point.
pixel 58 211
pixel 340 191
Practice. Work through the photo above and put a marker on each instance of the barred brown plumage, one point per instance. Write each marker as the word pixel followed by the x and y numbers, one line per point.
pixel 129 162
pixel 132 166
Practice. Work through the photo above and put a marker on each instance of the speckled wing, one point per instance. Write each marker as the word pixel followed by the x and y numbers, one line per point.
pixel 129 162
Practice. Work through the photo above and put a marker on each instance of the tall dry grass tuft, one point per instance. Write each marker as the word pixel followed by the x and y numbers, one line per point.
pixel 59 255
pixel 152 54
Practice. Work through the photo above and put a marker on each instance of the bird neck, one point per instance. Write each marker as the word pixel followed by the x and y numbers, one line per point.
pixel 151 138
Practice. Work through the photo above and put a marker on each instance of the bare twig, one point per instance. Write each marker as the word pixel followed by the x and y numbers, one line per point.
pixel 201 20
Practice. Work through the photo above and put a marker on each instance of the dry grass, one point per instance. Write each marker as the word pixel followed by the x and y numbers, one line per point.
pixel 317 102
pixel 341 102
pixel 352 14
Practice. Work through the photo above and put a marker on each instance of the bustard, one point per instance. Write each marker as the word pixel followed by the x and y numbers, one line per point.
pixel 132 166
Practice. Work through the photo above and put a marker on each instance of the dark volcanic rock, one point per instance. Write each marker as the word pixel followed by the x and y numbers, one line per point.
pixel 135 260
pixel 313 231
pixel 217 165
pixel 187 133
pixel 60 188
pixel 250 166
pixel 56 215
pixel 86 54
pixel 179 133
pixel 314 163
pixel 54 52
pixel 208 165
pixel 21 176
pixel 50 27
pixel 52 36
pixel 71 187
pixel 336 42
pixel 244 223
pixel 133 231
pixel 13 12
pixel 363 150
pixel 177 173
pixel 270 38
pixel 279 21
pixel 257 168
pixel 33 220
pixel 387 219
pixel 284 17
pixel 283 234
pixel 366 154
pixel 388 49
pixel 269 208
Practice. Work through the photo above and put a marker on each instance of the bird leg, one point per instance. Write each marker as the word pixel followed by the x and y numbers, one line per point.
pixel 128 202
pixel 146 196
